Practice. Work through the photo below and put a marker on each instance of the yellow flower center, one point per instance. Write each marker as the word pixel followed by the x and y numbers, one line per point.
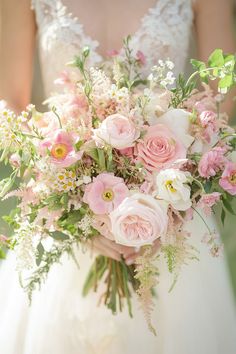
pixel 59 151
pixel 108 195
pixel 232 178
pixel 169 186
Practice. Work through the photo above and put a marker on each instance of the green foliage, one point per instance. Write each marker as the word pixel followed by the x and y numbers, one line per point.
pixel 182 91
pixel 220 66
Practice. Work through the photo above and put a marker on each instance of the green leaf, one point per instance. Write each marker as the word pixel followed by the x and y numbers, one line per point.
pixel 59 236
pixel 2 254
pixel 226 82
pixel 229 61
pixel 216 58
pixel 207 186
pixel 223 215
pixel 40 253
pixel 93 153
pixel 101 159
pixel 228 206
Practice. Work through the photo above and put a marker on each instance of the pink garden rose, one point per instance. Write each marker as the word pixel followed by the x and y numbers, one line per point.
pixel 105 193
pixel 60 146
pixel 207 201
pixel 212 162
pixel 228 178
pixel 159 148
pixel 139 220
pixel 118 131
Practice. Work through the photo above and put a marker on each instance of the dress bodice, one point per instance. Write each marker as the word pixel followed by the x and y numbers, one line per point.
pixel 163 33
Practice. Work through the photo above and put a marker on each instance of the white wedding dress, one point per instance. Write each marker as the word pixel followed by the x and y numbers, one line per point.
pixel 197 317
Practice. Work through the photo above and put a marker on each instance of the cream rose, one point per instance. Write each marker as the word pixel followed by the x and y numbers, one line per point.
pixel 139 220
pixel 118 131
pixel 173 188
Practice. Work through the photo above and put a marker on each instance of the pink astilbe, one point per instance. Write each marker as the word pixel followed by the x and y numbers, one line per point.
pixel 207 201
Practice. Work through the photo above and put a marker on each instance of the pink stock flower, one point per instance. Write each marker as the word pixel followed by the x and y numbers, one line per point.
pixel 208 121
pixel 139 220
pixel 141 57
pixel 212 162
pixel 60 147
pixel 207 201
pixel 159 148
pixel 105 193
pixel 228 178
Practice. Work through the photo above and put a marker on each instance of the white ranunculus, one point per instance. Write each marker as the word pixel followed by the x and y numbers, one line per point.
pixel 177 120
pixel 172 186
pixel 139 220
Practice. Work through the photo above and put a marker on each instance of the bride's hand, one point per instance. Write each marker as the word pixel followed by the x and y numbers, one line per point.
pixel 111 249
pixel 131 257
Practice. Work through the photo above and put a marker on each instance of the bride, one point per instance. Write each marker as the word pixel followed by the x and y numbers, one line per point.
pixel 199 315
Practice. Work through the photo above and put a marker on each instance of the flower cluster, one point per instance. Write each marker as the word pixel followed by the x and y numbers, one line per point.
pixel 119 155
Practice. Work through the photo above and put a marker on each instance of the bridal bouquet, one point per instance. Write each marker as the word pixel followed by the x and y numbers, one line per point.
pixel 124 156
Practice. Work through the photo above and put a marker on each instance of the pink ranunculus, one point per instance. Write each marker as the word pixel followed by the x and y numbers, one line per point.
pixel 118 131
pixel 139 220
pixel 207 201
pixel 159 148
pixel 208 121
pixel 105 193
pixel 228 178
pixel 60 146
pixel 212 162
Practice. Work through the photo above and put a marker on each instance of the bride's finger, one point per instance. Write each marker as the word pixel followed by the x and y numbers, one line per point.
pixel 124 250
pixel 106 251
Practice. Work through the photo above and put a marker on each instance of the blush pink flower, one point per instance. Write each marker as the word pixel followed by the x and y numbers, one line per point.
pixel 159 148
pixel 212 162
pixel 105 193
pixel 118 131
pixel 207 201
pixel 141 57
pixel 139 220
pixel 208 121
pixel 228 178
pixel 60 147
pixel 102 224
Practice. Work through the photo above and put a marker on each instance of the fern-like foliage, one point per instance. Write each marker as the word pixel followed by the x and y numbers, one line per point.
pixel 178 253
pixel 147 275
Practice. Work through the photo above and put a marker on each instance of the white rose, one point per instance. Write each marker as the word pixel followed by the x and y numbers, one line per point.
pixel 139 220
pixel 173 188
pixel 118 131
pixel 177 120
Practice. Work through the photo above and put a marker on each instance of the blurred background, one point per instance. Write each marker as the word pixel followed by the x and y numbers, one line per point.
pixel 229 232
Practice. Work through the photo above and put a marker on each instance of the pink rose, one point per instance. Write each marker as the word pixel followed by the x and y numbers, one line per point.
pixel 118 131
pixel 159 148
pixel 228 178
pixel 60 146
pixel 212 162
pixel 207 201
pixel 139 220
pixel 105 193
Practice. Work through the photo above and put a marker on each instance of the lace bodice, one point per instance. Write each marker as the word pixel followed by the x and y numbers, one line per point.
pixel 163 33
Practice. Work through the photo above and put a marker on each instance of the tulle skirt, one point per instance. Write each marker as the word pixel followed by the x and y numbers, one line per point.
pixel 197 317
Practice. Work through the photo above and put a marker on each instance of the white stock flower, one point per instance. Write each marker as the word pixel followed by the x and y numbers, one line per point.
pixel 173 188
